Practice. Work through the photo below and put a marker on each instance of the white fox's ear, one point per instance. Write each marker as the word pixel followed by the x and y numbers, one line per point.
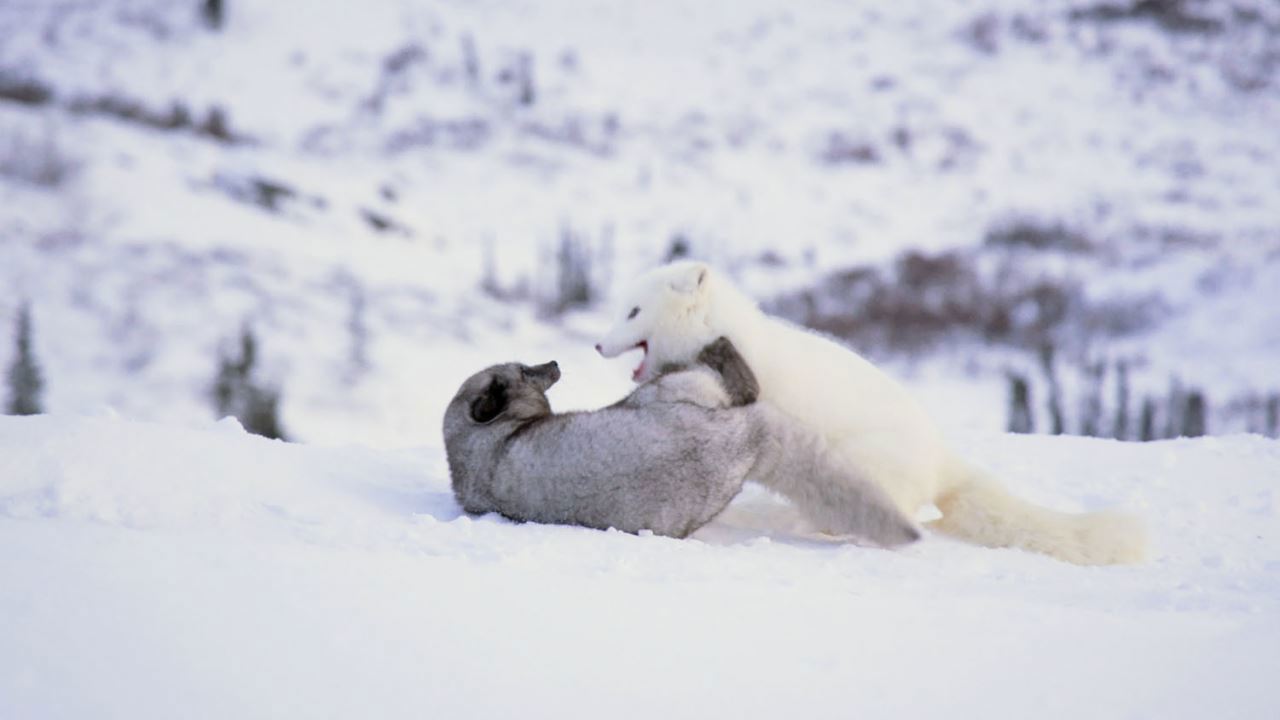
pixel 691 279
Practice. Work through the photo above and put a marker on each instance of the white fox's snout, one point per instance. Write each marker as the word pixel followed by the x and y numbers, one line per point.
pixel 612 350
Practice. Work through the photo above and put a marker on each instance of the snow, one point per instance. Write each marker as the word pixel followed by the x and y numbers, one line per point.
pixel 160 564
pixel 155 571
pixel 650 121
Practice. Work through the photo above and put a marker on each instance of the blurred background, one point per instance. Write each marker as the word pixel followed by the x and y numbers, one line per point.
pixel 321 216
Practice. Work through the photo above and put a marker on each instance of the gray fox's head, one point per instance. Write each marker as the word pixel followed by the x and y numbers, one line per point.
pixel 510 391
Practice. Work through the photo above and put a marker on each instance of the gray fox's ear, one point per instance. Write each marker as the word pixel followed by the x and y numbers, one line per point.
pixel 491 403
pixel 691 279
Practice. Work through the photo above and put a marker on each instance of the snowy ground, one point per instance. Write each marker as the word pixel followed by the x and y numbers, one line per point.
pixel 783 143
pixel 159 572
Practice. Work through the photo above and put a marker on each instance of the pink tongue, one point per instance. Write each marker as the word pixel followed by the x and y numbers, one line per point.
pixel 635 375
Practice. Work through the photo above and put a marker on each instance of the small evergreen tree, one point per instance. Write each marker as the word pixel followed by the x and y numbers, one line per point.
pixel 1091 408
pixel 1020 420
pixel 1194 415
pixel 1147 421
pixel 573 264
pixel 214 13
pixel 1057 424
pixel 678 249
pixel 26 384
pixel 1120 430
pixel 1273 416
pixel 262 413
pixel 237 392
pixel 524 78
pixel 357 332
pixel 1174 405
pixel 215 124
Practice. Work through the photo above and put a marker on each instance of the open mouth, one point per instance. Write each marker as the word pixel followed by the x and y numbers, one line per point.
pixel 639 371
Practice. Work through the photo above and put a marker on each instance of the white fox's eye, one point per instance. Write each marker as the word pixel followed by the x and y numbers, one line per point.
pixel 634 312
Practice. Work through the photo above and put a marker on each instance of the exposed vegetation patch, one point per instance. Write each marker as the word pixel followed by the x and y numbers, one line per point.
pixel 211 124
pixel 274 196
pixel 466 133
pixel 842 149
pixel 1033 234
pixel 1106 406
pixel 23 90
pixel 383 223
pixel 1179 16
pixel 922 300
pixel 576 264
pixel 1240 38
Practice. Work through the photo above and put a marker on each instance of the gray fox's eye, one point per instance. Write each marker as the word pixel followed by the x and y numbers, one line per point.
pixel 634 312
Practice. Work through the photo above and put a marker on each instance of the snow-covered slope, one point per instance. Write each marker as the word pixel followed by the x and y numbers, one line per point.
pixel 157 572
pixel 387 164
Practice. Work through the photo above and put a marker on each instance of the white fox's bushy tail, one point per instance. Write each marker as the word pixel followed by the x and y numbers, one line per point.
pixel 977 509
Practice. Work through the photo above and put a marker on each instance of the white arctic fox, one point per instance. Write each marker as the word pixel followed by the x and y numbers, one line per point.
pixel 869 421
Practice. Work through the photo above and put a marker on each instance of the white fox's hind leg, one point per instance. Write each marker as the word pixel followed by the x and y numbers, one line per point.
pixel 846 506
pixel 828 490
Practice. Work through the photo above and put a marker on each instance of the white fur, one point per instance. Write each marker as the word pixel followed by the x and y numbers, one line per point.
pixel 869 421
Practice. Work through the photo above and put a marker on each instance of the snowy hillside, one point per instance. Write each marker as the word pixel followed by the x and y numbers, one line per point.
pixel 153 572
pixel 381 191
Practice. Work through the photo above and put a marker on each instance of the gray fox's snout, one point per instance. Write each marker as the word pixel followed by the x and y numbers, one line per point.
pixel 546 374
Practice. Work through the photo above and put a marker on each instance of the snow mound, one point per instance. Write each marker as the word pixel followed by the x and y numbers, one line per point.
pixel 159 571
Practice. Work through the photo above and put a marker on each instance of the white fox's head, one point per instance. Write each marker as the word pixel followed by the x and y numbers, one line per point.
pixel 664 313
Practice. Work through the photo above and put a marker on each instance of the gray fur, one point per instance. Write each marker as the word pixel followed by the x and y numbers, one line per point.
pixel 667 458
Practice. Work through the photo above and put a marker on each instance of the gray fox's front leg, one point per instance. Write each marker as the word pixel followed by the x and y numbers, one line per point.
pixel 735 375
